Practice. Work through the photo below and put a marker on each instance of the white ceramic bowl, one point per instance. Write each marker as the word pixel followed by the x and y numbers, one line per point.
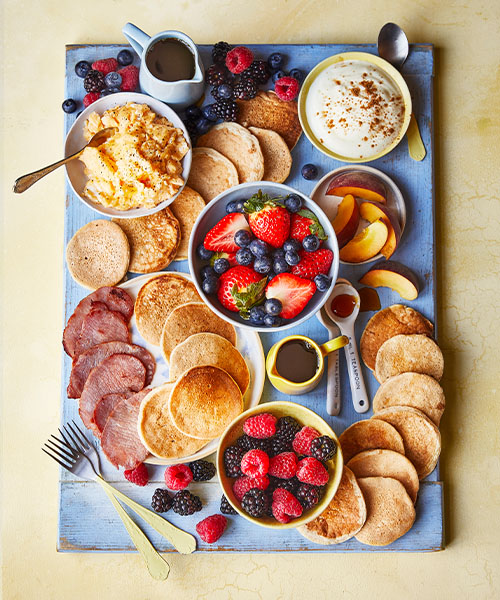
pixel 215 210
pixel 75 141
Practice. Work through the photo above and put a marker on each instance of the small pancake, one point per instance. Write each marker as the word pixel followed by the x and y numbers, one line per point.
pixel 238 145
pixel 157 299
pixel 209 349
pixel 267 111
pixel 211 173
pixel 403 353
pixel 156 430
pixel 412 389
pixel 204 401
pixel 421 438
pixel 364 435
pixel 98 254
pixel 390 511
pixel 388 322
pixel 186 208
pixel 386 463
pixel 342 518
pixel 153 240
pixel 188 319
pixel 277 157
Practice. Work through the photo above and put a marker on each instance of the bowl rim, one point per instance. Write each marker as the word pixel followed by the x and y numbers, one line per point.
pixel 379 62
pixel 337 475
pixel 325 222
pixel 120 99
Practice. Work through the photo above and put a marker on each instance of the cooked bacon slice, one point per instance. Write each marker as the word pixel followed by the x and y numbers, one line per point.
pixel 104 408
pixel 101 325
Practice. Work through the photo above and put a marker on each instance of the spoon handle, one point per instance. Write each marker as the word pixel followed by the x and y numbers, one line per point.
pixel 26 181
pixel 416 146
pixel 333 404
pixel 358 390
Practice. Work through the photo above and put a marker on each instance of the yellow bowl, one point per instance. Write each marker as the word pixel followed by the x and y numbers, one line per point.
pixel 393 73
pixel 305 417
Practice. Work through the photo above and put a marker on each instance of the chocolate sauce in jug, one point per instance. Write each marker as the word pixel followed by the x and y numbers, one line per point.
pixel 170 60
pixel 297 361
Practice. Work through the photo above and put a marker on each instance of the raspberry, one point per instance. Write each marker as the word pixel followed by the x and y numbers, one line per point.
pixel 242 485
pixel 139 475
pixel 178 477
pixel 232 461
pixel 260 426
pixel 238 59
pixel 255 463
pixel 283 465
pixel 285 504
pixel 105 66
pixel 225 507
pixel 323 448
pixel 302 440
pixel 130 78
pixel 90 98
pixel 211 528
pixel 279 514
pixel 310 470
pixel 286 88
pixel 308 495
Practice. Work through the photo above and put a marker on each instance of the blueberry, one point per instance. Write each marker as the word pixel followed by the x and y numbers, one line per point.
pixel 271 275
pixel 244 257
pixel 82 68
pixel 203 253
pixel 210 285
pixel 209 112
pixel 272 321
pixel 203 125
pixel 113 79
pixel 275 60
pixel 322 282
pixel 278 75
pixel 310 243
pixel 296 74
pixel 207 271
pixel 292 257
pixel 258 247
pixel 193 112
pixel 221 265
pixel 278 253
pixel 262 265
pixel 309 171
pixel 257 314
pixel 239 207
pixel 114 89
pixel 291 244
pixel 125 57
pixel 231 207
pixel 225 91
pixel 105 92
pixel 69 105
pixel 280 265
pixel 242 238
pixel 273 306
pixel 293 203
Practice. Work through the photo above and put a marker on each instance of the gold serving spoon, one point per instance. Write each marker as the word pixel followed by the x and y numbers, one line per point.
pixel 26 181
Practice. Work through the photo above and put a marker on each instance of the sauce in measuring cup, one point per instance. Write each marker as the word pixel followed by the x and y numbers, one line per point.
pixel 343 305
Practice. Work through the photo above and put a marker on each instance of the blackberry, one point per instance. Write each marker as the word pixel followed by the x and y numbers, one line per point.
pixel 192 129
pixel 161 501
pixel 245 89
pixel 308 495
pixel 287 484
pixel 185 503
pixel 216 75
pixel 255 502
pixel 94 81
pixel 232 461
pixel 280 444
pixel 219 52
pixel 225 507
pixel 287 428
pixel 249 443
pixel 227 110
pixel 323 448
pixel 259 71
pixel 214 92
pixel 202 470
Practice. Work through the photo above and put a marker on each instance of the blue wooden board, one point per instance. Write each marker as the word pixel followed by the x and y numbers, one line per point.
pixel 87 521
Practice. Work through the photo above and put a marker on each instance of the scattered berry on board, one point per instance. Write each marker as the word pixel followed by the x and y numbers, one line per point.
pixel 185 503
pixel 106 65
pixel 219 52
pixel 125 58
pixel 202 470
pixel 139 475
pixel 82 68
pixel 258 71
pixel 113 79
pixel 94 81
pixel 69 105
pixel 90 98
pixel 287 88
pixel 211 528
pixel 275 60
pixel 225 507
pixel 161 501
pixel 238 59
pixel 130 78
pixel 309 171
pixel 178 477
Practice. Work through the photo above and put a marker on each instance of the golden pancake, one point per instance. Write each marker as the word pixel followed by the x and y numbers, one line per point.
pixel 186 208
pixel 211 173
pixel 277 157
pixel 157 299
pixel 209 349
pixel 365 435
pixel 153 240
pixel 188 319
pixel 157 431
pixel 390 511
pixel 204 401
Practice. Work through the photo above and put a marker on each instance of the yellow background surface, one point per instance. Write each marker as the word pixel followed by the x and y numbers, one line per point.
pixel 467 118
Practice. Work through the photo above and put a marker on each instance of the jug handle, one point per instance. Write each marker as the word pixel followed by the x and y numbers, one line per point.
pixel 137 38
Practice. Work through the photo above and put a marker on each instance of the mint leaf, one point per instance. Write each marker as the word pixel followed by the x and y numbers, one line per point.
pixel 252 296
pixel 259 200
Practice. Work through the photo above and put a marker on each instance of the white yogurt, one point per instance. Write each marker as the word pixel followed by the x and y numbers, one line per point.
pixel 355 109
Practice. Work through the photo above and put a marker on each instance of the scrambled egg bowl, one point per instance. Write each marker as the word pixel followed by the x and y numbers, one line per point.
pixel 140 165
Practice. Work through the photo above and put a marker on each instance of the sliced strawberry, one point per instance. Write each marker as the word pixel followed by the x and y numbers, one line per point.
pixel 293 292
pixel 305 222
pixel 240 288
pixel 313 263
pixel 221 237
pixel 269 220
pixel 231 257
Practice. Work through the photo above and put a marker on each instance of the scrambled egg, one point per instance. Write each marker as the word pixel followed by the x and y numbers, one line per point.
pixel 140 165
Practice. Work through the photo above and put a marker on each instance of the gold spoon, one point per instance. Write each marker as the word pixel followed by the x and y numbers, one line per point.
pixel 26 181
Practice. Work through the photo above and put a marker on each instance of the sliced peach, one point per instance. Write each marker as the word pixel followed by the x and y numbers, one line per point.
pixel 346 221
pixel 366 244
pixel 393 275
pixel 372 212
pixel 360 184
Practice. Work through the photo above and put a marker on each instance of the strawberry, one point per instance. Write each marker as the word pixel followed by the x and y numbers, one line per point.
pixel 305 222
pixel 231 257
pixel 240 288
pixel 293 292
pixel 313 263
pixel 269 220
pixel 221 237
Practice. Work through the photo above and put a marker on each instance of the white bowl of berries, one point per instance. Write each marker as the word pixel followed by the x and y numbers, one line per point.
pixel 263 256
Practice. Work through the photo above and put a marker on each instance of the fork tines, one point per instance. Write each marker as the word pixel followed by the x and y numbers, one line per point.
pixel 73 443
